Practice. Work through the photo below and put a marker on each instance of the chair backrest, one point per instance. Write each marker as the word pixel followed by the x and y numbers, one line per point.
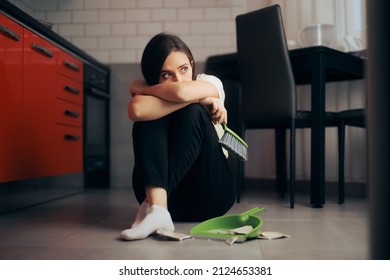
pixel 224 66
pixel 268 86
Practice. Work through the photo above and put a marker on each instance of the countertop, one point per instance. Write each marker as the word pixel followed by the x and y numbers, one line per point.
pixel 33 24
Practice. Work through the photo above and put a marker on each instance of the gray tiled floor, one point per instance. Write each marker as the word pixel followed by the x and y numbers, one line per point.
pixel 86 226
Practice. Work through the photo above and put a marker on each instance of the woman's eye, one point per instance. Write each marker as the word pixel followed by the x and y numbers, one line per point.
pixel 166 75
pixel 184 69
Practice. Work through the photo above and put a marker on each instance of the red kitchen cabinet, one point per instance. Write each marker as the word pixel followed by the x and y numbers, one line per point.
pixel 70 66
pixel 69 136
pixel 39 96
pixel 53 103
pixel 11 90
pixel 69 111
pixel 69 158
pixel 41 102
pixel 69 89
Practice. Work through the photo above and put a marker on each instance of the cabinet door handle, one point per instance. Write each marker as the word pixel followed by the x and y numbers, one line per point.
pixel 9 33
pixel 72 66
pixel 72 89
pixel 42 50
pixel 71 137
pixel 71 113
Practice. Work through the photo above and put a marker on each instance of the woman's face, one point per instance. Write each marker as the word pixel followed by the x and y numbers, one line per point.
pixel 176 68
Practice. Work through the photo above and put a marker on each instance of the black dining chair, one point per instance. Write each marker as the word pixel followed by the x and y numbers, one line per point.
pixel 268 87
pixel 224 66
pixel 350 117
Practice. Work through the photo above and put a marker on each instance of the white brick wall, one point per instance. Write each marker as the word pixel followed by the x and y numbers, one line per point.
pixel 116 31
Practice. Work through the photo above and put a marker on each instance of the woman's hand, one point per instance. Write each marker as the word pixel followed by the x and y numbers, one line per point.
pixel 215 108
pixel 136 87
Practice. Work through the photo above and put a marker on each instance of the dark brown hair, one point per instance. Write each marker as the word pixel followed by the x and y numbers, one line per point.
pixel 157 50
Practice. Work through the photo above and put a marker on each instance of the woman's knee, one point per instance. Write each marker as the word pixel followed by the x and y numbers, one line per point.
pixel 193 113
pixel 149 126
pixel 194 109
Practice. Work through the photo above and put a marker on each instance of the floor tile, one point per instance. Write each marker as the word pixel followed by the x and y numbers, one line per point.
pixel 87 226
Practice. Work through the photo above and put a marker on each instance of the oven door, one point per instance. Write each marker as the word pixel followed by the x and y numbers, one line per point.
pixel 96 139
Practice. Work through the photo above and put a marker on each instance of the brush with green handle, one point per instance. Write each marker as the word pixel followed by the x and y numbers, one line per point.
pixel 233 143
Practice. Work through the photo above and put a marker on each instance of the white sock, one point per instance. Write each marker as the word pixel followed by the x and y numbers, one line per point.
pixel 143 210
pixel 157 218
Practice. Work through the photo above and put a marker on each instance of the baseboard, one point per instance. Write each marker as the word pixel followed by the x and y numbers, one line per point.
pixel 331 188
pixel 18 195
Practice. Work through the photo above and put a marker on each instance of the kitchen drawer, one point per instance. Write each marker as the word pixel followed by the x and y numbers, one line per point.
pixel 70 149
pixel 39 52
pixel 70 66
pixel 69 113
pixel 10 30
pixel 69 89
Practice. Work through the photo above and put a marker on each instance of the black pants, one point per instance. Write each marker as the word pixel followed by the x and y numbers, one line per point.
pixel 180 152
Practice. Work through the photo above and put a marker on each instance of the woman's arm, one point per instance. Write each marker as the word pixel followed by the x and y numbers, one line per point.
pixel 147 108
pixel 187 91
pixel 154 102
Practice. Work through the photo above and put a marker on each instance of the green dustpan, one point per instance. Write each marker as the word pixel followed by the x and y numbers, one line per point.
pixel 220 227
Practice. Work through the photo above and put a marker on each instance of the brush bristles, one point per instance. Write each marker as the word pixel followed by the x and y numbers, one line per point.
pixel 234 146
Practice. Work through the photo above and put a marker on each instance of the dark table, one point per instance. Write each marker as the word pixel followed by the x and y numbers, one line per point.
pixel 315 66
